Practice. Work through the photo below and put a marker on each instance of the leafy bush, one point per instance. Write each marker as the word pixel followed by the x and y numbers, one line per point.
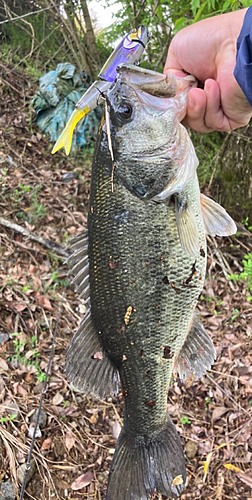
pixel 245 275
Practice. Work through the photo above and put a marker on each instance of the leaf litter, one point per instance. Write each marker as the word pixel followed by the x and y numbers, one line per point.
pixel 73 454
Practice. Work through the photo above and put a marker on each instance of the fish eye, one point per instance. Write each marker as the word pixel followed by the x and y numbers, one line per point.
pixel 125 111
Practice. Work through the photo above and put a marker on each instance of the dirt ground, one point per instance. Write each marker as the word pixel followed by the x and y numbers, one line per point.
pixel 48 196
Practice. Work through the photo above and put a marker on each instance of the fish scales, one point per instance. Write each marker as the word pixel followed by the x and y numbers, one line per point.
pixel 145 267
pixel 141 240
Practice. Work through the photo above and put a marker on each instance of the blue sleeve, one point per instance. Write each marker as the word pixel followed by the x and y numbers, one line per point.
pixel 243 67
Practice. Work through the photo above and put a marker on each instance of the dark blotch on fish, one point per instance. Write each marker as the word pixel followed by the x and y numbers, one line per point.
pixel 121 329
pixel 168 354
pixel 113 265
pixel 202 252
pixel 177 290
pixel 193 273
pixel 165 280
pixel 150 403
pixel 141 353
pixel 148 374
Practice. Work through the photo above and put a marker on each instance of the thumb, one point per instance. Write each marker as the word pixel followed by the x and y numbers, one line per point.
pixel 172 65
pixel 176 72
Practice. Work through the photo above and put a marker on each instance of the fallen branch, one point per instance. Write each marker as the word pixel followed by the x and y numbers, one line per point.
pixel 50 245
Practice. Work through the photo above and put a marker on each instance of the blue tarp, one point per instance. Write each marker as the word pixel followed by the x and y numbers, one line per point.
pixel 59 91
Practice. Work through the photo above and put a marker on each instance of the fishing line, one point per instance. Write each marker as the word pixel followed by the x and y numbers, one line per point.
pixel 110 145
pixel 28 462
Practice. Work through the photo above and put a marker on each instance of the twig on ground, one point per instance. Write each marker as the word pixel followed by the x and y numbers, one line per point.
pixel 50 245
pixel 226 269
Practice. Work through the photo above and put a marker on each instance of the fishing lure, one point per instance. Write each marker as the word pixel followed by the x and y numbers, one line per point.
pixel 129 50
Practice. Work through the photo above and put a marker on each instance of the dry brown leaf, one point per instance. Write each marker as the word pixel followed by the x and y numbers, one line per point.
pixel 70 440
pixel 18 389
pixel 43 301
pixel 46 445
pixel 98 355
pixel 57 399
pixel 3 365
pixel 191 449
pixel 116 429
pixel 177 480
pixel 94 418
pixel 2 389
pixel 218 412
pixel 82 481
pixel 245 478
pixel 91 411
pixel 19 307
pixel 29 354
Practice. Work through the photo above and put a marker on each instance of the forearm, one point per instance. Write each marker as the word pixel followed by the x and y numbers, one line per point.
pixel 243 67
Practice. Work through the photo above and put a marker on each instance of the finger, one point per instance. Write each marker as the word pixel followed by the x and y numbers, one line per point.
pixel 171 62
pixel 214 115
pixel 196 108
pixel 176 72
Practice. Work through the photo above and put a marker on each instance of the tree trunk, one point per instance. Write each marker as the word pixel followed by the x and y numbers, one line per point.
pixel 90 37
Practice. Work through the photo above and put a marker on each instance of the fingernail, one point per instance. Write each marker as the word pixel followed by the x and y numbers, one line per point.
pixel 207 86
pixel 191 102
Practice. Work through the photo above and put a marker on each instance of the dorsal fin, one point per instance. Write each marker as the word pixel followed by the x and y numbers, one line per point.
pixel 88 367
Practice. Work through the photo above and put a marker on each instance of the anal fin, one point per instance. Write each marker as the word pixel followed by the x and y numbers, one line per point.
pixel 217 222
pixel 87 366
pixel 197 353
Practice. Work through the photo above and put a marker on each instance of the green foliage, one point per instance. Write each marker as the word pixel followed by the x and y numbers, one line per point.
pixel 56 282
pixel 207 148
pixel 163 20
pixel 246 275
pixel 159 18
pixel 8 419
pixel 34 210
pixel 36 33
pixel 245 222
pixel 202 9
pixel 185 420
pixel 20 356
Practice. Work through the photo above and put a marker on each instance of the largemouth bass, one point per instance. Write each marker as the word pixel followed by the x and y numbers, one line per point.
pixel 140 268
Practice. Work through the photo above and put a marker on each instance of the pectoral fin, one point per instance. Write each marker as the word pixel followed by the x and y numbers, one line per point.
pixel 197 353
pixel 65 138
pixel 217 222
pixel 186 224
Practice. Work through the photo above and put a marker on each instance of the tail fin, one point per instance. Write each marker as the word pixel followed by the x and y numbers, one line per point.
pixel 143 465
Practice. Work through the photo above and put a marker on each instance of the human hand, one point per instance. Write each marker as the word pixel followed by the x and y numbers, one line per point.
pixel 207 50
